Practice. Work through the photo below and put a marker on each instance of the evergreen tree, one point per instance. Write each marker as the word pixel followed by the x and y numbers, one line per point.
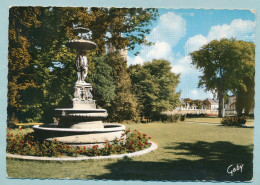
pixel 124 105
pixel 103 83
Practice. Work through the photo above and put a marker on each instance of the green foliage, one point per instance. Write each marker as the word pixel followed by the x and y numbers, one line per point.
pixel 225 64
pixel 154 85
pixel 183 117
pixel 21 75
pixel 124 105
pixel 27 144
pixel 112 87
pixel 41 69
pixel 245 98
pixel 103 82
pixel 132 23
pixel 201 115
pixel 234 121
pixel 172 118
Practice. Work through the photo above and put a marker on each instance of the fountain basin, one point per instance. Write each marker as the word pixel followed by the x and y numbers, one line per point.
pixel 74 136
pixel 67 112
pixel 80 118
pixel 81 44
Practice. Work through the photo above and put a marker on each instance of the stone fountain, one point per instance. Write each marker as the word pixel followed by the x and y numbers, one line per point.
pixel 82 124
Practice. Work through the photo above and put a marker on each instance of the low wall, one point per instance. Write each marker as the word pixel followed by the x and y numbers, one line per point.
pixel 192 111
pixel 197 111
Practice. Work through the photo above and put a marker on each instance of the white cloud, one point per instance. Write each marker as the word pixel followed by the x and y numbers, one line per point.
pixel 239 29
pixel 135 60
pixel 184 67
pixel 194 93
pixel 194 43
pixel 158 51
pixel 181 65
pixel 171 28
pixel 178 69
pixel 199 94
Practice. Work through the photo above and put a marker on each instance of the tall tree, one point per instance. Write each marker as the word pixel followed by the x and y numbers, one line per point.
pixel 155 86
pixel 21 76
pixel 103 82
pixel 41 69
pixel 124 105
pixel 225 64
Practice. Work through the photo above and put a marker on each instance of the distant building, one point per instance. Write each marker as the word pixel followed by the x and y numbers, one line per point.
pixel 210 104
pixel 207 104
pixel 183 104
pixel 188 104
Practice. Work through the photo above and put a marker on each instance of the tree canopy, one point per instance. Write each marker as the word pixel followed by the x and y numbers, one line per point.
pixel 103 83
pixel 41 69
pixel 225 66
pixel 155 85
pixel 124 105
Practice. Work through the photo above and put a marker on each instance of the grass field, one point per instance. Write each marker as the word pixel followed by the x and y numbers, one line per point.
pixel 215 120
pixel 185 151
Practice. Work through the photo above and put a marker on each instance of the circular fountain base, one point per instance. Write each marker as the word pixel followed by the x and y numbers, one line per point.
pixel 85 137
pixel 80 118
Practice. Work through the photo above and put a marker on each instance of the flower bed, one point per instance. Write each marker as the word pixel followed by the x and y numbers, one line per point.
pixel 233 121
pixel 27 144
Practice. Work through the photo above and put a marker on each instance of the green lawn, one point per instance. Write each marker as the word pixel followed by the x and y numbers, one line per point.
pixel 215 120
pixel 186 152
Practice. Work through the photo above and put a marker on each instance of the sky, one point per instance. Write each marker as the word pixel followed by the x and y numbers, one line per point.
pixel 177 32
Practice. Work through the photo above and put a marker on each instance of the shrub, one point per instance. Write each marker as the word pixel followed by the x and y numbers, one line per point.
pixel 233 121
pixel 183 117
pixel 27 144
pixel 13 126
pixel 189 115
pixel 174 118
pixel 170 118
pixel 251 115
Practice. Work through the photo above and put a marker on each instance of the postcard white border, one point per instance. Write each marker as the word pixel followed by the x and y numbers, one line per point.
pixel 175 4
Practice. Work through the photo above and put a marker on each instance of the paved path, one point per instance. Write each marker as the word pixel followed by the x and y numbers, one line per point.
pixel 204 123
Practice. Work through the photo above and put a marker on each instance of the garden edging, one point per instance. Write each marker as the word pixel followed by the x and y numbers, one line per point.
pixel 26 157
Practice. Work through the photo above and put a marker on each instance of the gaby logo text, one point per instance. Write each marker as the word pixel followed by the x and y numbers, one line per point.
pixel 233 168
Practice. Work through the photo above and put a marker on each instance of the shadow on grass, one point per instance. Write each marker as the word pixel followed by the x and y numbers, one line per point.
pixel 210 163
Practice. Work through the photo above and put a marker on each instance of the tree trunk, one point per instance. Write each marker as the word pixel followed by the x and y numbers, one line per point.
pixel 239 103
pixel 221 108
pixel 221 101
